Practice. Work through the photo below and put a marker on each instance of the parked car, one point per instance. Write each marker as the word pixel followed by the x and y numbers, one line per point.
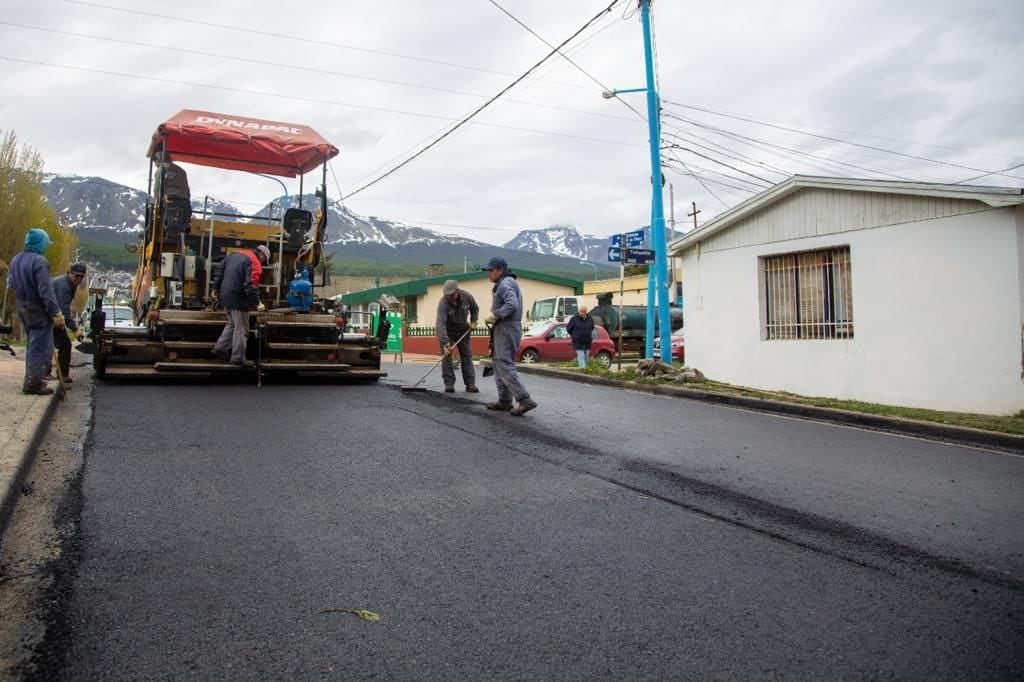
pixel 117 316
pixel 678 345
pixel 550 342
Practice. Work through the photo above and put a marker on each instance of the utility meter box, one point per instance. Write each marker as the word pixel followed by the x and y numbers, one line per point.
pixel 167 264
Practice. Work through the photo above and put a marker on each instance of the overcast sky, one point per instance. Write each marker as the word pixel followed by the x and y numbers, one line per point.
pixel 87 82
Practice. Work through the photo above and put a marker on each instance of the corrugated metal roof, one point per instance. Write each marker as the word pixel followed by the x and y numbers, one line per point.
pixel 992 196
pixel 418 287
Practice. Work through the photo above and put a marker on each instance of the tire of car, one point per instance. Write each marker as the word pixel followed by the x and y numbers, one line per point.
pixel 529 357
pixel 604 358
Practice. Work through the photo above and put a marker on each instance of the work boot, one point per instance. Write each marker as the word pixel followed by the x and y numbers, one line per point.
pixel 471 388
pixel 244 364
pixel 449 389
pixel 68 380
pixel 37 390
pixel 524 406
pixel 220 355
pixel 500 407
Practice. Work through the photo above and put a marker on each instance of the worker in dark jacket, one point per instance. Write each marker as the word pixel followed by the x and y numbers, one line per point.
pixel 506 323
pixel 171 187
pixel 64 288
pixel 581 331
pixel 457 313
pixel 37 308
pixel 237 286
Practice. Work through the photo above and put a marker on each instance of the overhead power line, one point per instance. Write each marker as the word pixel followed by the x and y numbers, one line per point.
pixel 756 142
pixel 302 39
pixel 483 106
pixel 979 177
pixel 720 163
pixel 837 140
pixel 264 93
pixel 604 88
pixel 294 67
pixel 727 152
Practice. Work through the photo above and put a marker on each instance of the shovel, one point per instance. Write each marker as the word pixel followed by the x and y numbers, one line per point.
pixel 416 386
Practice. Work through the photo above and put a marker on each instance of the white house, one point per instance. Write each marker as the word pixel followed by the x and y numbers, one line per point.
pixel 900 293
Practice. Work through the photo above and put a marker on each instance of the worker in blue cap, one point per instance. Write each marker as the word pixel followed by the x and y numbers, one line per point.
pixel 37 308
pixel 506 323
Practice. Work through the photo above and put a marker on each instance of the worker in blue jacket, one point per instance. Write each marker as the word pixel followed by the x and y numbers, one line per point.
pixel 29 277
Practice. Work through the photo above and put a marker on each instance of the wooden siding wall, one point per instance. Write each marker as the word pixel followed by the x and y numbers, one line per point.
pixel 815 212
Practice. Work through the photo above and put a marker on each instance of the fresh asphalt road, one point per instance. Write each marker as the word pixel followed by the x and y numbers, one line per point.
pixel 605 534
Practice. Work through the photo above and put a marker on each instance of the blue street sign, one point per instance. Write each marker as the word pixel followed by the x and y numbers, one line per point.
pixel 633 256
pixel 633 239
pixel 639 256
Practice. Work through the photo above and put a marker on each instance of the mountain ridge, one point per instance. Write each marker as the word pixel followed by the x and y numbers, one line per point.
pixel 107 213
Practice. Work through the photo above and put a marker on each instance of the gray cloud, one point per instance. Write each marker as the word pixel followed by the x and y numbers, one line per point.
pixel 935 79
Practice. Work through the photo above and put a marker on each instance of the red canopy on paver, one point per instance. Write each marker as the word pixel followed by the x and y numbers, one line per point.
pixel 241 143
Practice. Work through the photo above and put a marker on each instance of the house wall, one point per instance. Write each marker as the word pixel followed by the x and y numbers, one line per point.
pixel 937 302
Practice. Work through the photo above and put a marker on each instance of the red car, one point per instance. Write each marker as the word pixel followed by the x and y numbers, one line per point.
pixel 550 342
pixel 678 345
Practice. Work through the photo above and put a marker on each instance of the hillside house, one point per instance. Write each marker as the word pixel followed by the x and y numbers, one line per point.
pixel 898 293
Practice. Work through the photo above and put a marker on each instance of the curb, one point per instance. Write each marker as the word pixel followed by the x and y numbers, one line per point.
pixel 9 497
pixel 946 433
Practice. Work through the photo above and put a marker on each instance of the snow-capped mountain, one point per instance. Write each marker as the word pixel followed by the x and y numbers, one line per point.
pixel 561 240
pixel 104 212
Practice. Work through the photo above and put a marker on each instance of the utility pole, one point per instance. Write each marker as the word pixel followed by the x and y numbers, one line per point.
pixel 657 288
pixel 694 214
pixel 657 201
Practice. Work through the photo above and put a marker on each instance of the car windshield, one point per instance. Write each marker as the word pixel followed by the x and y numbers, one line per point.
pixel 543 309
pixel 537 329
pixel 118 314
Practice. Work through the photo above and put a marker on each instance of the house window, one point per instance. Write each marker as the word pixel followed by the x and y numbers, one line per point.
pixel 410 309
pixel 808 295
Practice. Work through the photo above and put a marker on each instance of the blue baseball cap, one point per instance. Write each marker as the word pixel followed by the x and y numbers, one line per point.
pixel 496 263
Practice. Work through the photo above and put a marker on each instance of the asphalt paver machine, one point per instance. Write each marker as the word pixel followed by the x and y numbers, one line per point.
pixel 177 322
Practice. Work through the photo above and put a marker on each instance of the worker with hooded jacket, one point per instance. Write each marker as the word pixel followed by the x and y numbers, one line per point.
pixel 236 284
pixel 64 288
pixel 506 323
pixel 37 308
pixel 457 313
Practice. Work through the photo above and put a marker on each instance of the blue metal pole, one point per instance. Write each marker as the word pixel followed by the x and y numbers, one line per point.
pixel 657 204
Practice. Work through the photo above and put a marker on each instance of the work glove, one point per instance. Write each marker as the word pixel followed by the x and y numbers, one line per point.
pixel 58 321
pixel 447 348
pixel 491 319
pixel 261 308
pixel 79 334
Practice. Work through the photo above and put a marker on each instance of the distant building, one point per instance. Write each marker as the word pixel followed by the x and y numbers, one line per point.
pixel 634 290
pixel 419 297
pixel 899 293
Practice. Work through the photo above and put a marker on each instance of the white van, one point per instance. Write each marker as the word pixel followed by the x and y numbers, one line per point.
pixel 554 309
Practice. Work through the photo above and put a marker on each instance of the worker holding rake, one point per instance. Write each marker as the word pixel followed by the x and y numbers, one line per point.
pixel 457 313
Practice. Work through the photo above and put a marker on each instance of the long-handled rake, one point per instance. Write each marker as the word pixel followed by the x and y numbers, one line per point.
pixel 416 386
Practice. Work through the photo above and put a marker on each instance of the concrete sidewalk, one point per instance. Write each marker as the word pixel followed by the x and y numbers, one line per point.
pixel 23 423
